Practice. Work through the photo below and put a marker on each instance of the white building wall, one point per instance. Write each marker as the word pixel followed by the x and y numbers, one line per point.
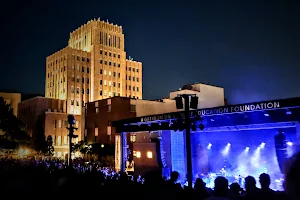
pixel 144 107
pixel 208 96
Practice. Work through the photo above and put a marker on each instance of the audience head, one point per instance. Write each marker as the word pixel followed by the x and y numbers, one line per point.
pixel 174 176
pixel 264 180
pixel 235 188
pixel 221 187
pixel 199 184
pixel 250 183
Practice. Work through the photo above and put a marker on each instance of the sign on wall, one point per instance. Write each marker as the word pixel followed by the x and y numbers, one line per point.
pixel 118 153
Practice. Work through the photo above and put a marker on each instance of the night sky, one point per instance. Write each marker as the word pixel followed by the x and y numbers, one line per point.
pixel 252 49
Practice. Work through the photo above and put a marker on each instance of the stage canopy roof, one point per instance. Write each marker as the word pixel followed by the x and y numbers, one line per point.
pixel 280 113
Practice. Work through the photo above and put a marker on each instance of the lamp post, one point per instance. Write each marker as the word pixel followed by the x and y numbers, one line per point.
pixel 71 121
pixel 187 123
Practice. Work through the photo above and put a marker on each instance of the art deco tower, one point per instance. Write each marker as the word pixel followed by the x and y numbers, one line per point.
pixel 92 67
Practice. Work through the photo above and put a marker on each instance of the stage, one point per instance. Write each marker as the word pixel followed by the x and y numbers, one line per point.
pixel 232 141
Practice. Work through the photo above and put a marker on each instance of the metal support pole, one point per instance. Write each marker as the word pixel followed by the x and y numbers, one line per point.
pixel 71 133
pixel 188 140
pixel 123 151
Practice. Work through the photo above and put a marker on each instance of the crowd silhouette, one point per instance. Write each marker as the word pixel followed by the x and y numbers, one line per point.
pixel 32 179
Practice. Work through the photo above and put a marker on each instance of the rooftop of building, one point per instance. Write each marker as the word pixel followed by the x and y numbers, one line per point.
pixel 97 22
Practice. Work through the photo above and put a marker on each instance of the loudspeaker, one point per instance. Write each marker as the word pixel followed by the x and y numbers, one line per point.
pixel 179 104
pixel 281 150
pixel 194 102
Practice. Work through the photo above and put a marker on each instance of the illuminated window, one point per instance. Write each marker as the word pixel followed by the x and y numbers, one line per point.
pixel 149 154
pixel 138 154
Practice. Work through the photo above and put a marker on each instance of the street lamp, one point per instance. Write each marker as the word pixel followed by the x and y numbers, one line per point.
pixel 187 122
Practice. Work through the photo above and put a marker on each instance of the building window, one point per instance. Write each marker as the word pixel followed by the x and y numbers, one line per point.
pixel 97 110
pixel 54 123
pixel 137 89
pixel 119 65
pixel 149 154
pixel 105 83
pixel 65 140
pixel 100 82
pixel 100 93
pixel 114 84
pixel 137 79
pixel 82 69
pixel 119 56
pixel 108 108
pixel 72 102
pixel 82 80
pixel 88 70
pixel 59 141
pixel 101 51
pixel 109 94
pixel 109 73
pixel 132 108
pixel 133 138
pixel 100 61
pixel 100 71
pixel 119 75
pixel 59 123
pixel 137 154
pixel 77 90
pixel 119 85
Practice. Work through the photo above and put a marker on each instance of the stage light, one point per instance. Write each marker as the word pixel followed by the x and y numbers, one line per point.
pixel 194 102
pixel 194 128
pixel 226 150
pixel 209 146
pixel 212 120
pixel 262 145
pixel 247 149
pixel 201 127
pixel 179 103
pixel 288 112
pixel 266 114
pixel 289 144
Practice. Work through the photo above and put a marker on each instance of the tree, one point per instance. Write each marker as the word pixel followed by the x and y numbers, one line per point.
pixel 82 147
pixel 11 127
pixel 50 148
pixel 40 143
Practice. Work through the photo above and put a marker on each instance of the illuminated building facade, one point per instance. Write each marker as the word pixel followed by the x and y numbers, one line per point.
pixel 48 116
pixel 92 67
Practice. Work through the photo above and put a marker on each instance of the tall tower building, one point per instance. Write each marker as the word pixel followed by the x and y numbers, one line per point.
pixel 92 67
